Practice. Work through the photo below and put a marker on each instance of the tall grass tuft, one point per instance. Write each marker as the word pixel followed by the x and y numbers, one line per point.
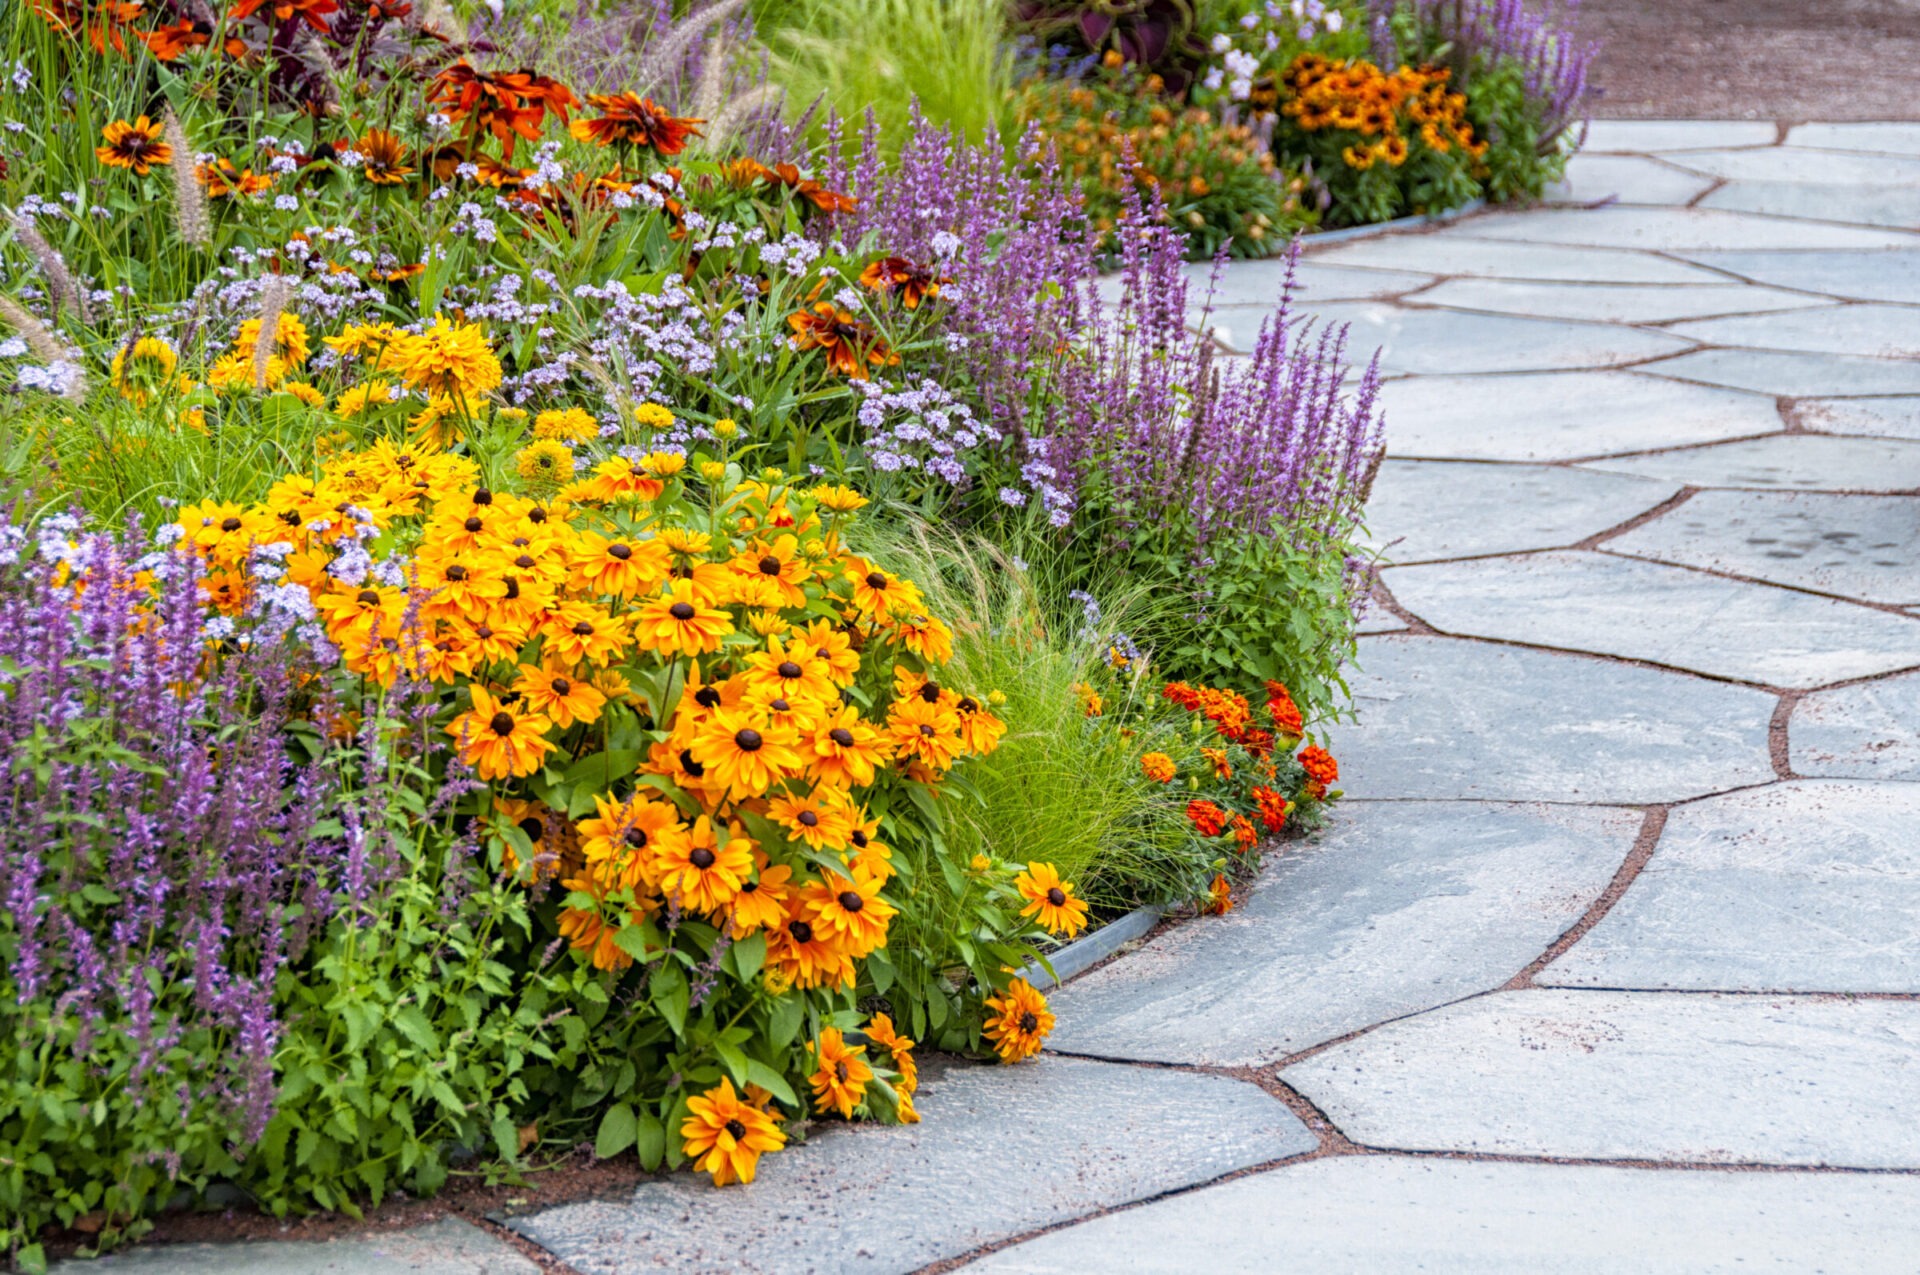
pixel 952 56
pixel 1062 788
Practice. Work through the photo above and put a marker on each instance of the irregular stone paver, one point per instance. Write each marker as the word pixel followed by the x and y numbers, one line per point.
pixel 1861 547
pixel 1792 375
pixel 1809 462
pixel 1856 276
pixel 1631 179
pixel 1885 138
pixel 449 1246
pixel 1450 719
pixel 1798 164
pixel 1422 511
pixel 1400 907
pixel 1454 255
pixel 1563 415
pixel 1251 283
pixel 1870 731
pixel 1683 619
pixel 1808 886
pixel 1675 135
pixel 1677 230
pixel 1612 302
pixel 1430 341
pixel 1389 1214
pixel 1635 1075
pixel 1883 331
pixel 1896 417
pixel 1000 1151
pixel 1895 206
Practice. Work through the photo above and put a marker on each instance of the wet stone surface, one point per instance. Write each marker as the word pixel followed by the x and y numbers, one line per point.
pixel 1866 548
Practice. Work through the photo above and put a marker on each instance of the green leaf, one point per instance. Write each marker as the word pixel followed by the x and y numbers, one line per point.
pixel 784 1022
pixel 412 1023
pixel 758 1073
pixel 650 1141
pixel 736 1062
pixel 618 1130
pixel 669 994
pixel 749 955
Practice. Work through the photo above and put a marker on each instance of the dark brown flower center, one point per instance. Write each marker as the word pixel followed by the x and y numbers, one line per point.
pixel 367 598
pixel 859 838
pixel 736 1129
pixel 769 566
pixel 583 629
pixel 619 551
pixel 473 524
pixel 524 562
pixel 483 497
pixel 789 670
pixel 808 819
pixel 230 524
pixel 926 732
pixel 701 858
pixel 1057 896
pixel 841 736
pixel 561 686
pixel 930 693
pixel 707 697
pixel 1028 1022
pixel 682 611
pixel 875 580
pixel 801 931
pixel 688 764
pixel 502 724
pixel 747 740
pixel 851 900
pixel 456 572
pixel 637 838
pixel 534 828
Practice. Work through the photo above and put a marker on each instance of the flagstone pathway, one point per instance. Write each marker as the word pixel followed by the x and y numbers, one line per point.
pixel 1611 960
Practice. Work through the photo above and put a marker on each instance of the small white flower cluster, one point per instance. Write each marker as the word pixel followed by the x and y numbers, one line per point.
pixel 1275 26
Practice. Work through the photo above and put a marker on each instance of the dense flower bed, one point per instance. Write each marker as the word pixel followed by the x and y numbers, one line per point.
pixel 540 615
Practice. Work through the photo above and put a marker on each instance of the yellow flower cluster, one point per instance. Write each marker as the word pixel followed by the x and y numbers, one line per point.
pixel 1384 109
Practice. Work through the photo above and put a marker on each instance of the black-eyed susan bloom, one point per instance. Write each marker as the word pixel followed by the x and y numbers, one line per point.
pixel 1018 1021
pixel 704 869
pixel 1050 901
pixel 680 622
pixel 499 742
pixel 745 755
pixel 840 1075
pixel 725 1136
pixel 137 145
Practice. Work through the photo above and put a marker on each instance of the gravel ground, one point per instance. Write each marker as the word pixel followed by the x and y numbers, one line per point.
pixel 1756 59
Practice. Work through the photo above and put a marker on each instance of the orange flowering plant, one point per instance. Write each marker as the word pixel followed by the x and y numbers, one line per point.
pixel 707 739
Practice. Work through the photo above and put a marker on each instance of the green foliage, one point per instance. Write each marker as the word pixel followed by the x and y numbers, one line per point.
pixel 950 59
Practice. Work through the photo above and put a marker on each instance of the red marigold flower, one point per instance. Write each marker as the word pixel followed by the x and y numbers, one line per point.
pixel 1321 770
pixel 1273 808
pixel 1284 712
pixel 1245 838
pixel 1208 819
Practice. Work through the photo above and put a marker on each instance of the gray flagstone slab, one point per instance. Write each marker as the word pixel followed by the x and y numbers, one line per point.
pixel 1792 375
pixel 1788 1080
pixel 1801 164
pixel 1446 719
pixel 1895 417
pixel 1881 331
pixel 1892 206
pixel 1563 415
pixel 1674 135
pixel 1610 605
pixel 1887 137
pixel 1677 230
pixel 1807 886
pixel 1422 511
pixel 999 1151
pixel 1436 341
pixel 1452 254
pixel 1869 731
pixel 1631 179
pixel 1885 275
pixel 1613 302
pixel 1258 283
pixel 1810 462
pixel 1397 908
pixel 448 1246
pixel 1395 1215
pixel 1862 547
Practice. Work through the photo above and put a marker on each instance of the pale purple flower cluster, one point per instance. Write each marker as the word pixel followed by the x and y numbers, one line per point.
pixel 157 821
pixel 921 427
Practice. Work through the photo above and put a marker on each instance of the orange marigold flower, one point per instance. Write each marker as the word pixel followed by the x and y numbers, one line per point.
pixel 1273 808
pixel 1219 897
pixel 1321 770
pixel 1284 712
pixel 1244 836
pixel 1207 818
pixel 1158 767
